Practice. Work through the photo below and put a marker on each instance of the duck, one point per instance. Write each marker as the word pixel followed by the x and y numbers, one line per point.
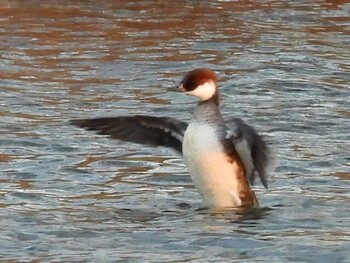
pixel 223 158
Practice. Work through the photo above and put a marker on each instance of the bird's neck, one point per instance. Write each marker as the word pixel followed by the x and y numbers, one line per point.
pixel 208 110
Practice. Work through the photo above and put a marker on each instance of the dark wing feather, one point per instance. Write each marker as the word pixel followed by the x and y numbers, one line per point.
pixel 140 129
pixel 259 151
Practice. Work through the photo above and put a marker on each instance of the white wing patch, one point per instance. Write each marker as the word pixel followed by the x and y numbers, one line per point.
pixel 245 153
pixel 229 134
pixel 243 149
pixel 174 134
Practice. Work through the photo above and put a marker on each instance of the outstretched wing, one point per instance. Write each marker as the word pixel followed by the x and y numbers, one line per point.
pixel 252 149
pixel 140 129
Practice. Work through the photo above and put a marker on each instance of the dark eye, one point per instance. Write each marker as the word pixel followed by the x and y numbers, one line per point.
pixel 191 84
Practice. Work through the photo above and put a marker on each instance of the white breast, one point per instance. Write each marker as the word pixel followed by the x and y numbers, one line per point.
pixel 214 176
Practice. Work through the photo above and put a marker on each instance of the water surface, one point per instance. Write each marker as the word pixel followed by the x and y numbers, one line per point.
pixel 68 195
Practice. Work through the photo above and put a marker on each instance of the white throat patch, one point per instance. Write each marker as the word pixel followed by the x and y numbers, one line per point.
pixel 204 91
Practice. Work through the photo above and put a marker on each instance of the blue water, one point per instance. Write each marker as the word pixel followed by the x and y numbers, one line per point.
pixel 68 195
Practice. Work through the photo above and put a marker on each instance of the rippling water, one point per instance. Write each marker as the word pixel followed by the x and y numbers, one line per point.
pixel 68 195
